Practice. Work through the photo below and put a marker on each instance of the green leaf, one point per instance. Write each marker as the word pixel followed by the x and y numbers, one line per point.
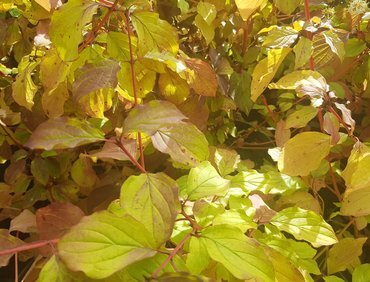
pixel 241 255
pixel 280 37
pixel 305 225
pixel 344 254
pixel 103 243
pixel 240 89
pixel 354 47
pixel 63 132
pixel 265 70
pixel 356 197
pixel 292 80
pixel 333 279
pixel 208 31
pixel 197 259
pixel 271 182
pixel 118 46
pixel 207 11
pixel 152 199
pixel 284 268
pixel 247 7
pixel 55 271
pixel 150 117
pixel 335 43
pixel 83 173
pixel 303 52
pixel 226 160
pixel 173 87
pixel 287 7
pixel 154 33
pixel 304 153
pixel 183 142
pixel 24 89
pixel 66 35
pixel 301 117
pixel 361 273
pixel 204 181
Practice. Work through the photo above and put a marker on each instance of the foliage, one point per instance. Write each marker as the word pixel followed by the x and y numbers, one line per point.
pixel 213 140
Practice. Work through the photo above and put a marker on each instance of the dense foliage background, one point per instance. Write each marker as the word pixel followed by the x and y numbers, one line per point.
pixel 182 140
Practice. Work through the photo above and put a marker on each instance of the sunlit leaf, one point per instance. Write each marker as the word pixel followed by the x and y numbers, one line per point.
pixel 152 116
pixel 118 45
pixel 265 70
pixel 303 52
pixel 197 259
pixel 154 33
pixel 104 243
pixel 152 199
pixel 226 160
pixel 241 255
pixel 301 117
pixel 361 273
pixel 174 88
pixel 280 37
pixel 63 132
pixel 335 43
pixel 66 35
pixel 292 80
pixel 287 7
pixel 304 153
pixel 183 142
pixel 247 7
pixel 305 225
pixel 204 181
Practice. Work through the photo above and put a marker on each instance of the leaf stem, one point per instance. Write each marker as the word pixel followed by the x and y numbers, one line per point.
pixel 131 157
pixel 28 246
pixel 126 18
pixel 172 254
pixel 10 134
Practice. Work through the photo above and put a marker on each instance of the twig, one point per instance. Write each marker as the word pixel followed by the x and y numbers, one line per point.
pixel 10 134
pixel 173 253
pixel 268 108
pixel 126 18
pixel 131 157
pixel 28 246
pixel 335 184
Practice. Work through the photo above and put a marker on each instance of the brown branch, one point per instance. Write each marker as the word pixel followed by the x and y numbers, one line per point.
pixel 126 18
pixel 10 134
pixel 28 246
pixel 173 253
pixel 268 108
pixel 335 184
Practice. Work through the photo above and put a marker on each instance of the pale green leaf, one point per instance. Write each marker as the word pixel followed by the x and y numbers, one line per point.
pixel 152 199
pixel 83 173
pixel 361 273
pixel 356 197
pixel 354 47
pixel 301 117
pixel 271 182
pixel 24 89
pixel 335 43
pixel 104 243
pixel 208 31
pixel 280 37
pixel 304 153
pixel 239 254
pixel 305 225
pixel 55 271
pixel 322 53
pixel 207 11
pixel 204 181
pixel 63 132
pixel 225 160
pixel 333 278
pixel 292 80
pixel 197 259
pixel 154 33
pixel 285 271
pixel 184 142
pixel 303 52
pixel 66 35
pixel 344 253
pixel 265 71
pixel 248 7
pixel 150 117
pixel 158 62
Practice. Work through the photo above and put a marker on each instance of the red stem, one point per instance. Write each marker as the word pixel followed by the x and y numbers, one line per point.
pixel 173 253
pixel 133 79
pixel 308 18
pixel 28 246
pixel 131 157
pixel 268 108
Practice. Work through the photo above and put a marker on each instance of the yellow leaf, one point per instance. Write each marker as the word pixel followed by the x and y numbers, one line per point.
pixel 175 89
pixel 203 78
pixel 248 7
pixel 266 70
pixel 304 153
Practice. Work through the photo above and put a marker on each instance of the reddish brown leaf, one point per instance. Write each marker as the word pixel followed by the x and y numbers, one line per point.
pixel 203 80
pixel 56 219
